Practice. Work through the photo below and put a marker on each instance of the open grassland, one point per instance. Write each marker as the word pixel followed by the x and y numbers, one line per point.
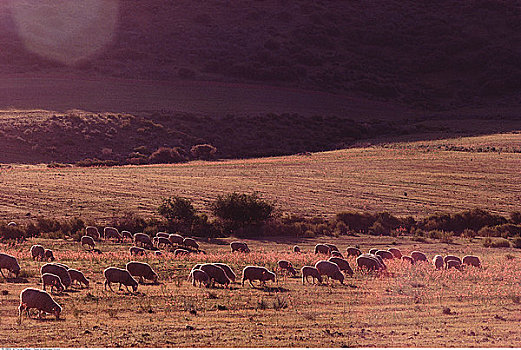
pixel 404 181
pixel 408 306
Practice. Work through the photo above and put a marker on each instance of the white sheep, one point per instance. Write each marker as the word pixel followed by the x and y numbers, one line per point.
pixel 163 241
pixel 396 252
pixel 126 234
pixel 181 251
pixel 329 269
pixel 322 249
pixel 141 270
pixel 451 257
pixel 48 255
pixel 343 265
pixel 58 270
pixel 162 234
pixel 257 273
pixel 174 238
pixel 418 256
pixel 123 277
pixel 296 249
pixel 437 261
pixel 49 279
pixel 332 247
pixel 216 274
pixel 37 252
pixel 190 243
pixel 136 251
pixel 228 270
pixel 31 298
pixel 353 251
pixel 78 276
pixel 9 263
pixel 310 271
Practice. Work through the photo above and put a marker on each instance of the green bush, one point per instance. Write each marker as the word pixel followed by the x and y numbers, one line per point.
pixel 177 209
pixel 497 243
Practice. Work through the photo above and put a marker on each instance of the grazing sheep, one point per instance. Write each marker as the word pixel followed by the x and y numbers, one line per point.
pixel 37 251
pixel 87 240
pixel 385 254
pixel 216 274
pixel 471 260
pixel 369 262
pixel 162 234
pixel 437 261
pixel 312 271
pixel 31 298
pixel 451 257
pixel 353 251
pixel 296 249
pixel 12 224
pixel 373 251
pixel 123 277
pixel 228 270
pixel 181 251
pixel 337 254
pixel 62 265
pixel 126 234
pixel 343 265
pixel 380 260
pixel 92 231
pixel 200 276
pixel 408 259
pixel 136 251
pixel 418 256
pixel 112 232
pixel 257 273
pixel 48 255
pixel 141 270
pixel 286 266
pixel 190 243
pixel 78 276
pixel 322 249
pixel 143 239
pixel 239 247
pixel 174 238
pixel 396 252
pixel 330 269
pixel 58 270
pixel 453 263
pixel 164 242
pixel 49 279
pixel 332 247
pixel 9 263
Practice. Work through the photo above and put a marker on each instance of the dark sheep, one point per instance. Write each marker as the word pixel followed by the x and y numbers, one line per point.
pixel 418 256
pixel 353 251
pixel 471 260
pixel 310 271
pixel 228 270
pixel 40 300
pixel 322 249
pixel 385 254
pixel 216 274
pixel 396 252
pixel 257 273
pixel 9 263
pixel 237 246
pixel 330 269
pixel 343 265
pixel 141 270
pixel 59 270
pixel 123 277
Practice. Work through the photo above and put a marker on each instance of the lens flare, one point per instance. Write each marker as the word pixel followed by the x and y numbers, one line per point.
pixel 67 31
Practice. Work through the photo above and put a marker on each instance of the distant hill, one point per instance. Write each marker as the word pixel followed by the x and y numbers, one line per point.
pixel 429 55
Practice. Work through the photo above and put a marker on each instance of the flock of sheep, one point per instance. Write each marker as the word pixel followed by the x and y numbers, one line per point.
pixel 60 277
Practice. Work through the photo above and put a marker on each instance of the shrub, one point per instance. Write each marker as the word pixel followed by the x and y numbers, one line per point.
pixel 177 209
pixel 239 209
pixel 497 243
pixel 166 155
pixel 516 242
pixel 203 151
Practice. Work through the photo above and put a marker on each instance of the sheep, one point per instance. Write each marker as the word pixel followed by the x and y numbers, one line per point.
pixel 31 298
pixel 408 259
pixel 63 265
pixel 136 251
pixel 329 269
pixel 380 260
pixel 343 265
pixel 162 234
pixel 37 251
pixel 216 274
pixel 49 279
pixel 385 254
pixel 48 254
pixel 369 262
pixel 337 254
pixel 471 260
pixel 353 251
pixel 451 257
pixel 126 234
pixel 286 266
pixel 418 256
pixel 141 270
pixel 332 247
pixel 92 231
pixel 174 238
pixel 181 251
pixel 190 243
pixel 163 241
pixel 78 276
pixel 239 247
pixel 373 251
pixel 396 252
pixel 257 273
pixel 228 270
pixel 200 276
pixel 312 271
pixel 296 249
pixel 322 249
pixel 143 239
pixel 112 232
pixel 58 270
pixel 123 277
pixel 9 263
pixel 437 261
pixel 12 224
pixel 87 241
pixel 453 263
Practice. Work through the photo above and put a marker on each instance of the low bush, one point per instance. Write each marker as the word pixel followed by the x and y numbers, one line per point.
pixel 496 243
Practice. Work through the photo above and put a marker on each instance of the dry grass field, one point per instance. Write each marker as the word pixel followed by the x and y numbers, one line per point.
pixel 405 180
pixel 409 306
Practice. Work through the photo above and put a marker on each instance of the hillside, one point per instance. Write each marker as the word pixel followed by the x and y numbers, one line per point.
pixel 435 56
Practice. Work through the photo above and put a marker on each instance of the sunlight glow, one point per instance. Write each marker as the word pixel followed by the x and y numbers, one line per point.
pixel 67 31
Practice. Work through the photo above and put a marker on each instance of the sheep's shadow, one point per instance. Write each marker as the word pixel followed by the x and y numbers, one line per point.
pixel 273 289
pixel 16 280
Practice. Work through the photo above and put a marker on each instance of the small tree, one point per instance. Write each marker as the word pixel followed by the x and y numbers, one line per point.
pixel 204 151
pixel 177 210
pixel 166 155
pixel 238 210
